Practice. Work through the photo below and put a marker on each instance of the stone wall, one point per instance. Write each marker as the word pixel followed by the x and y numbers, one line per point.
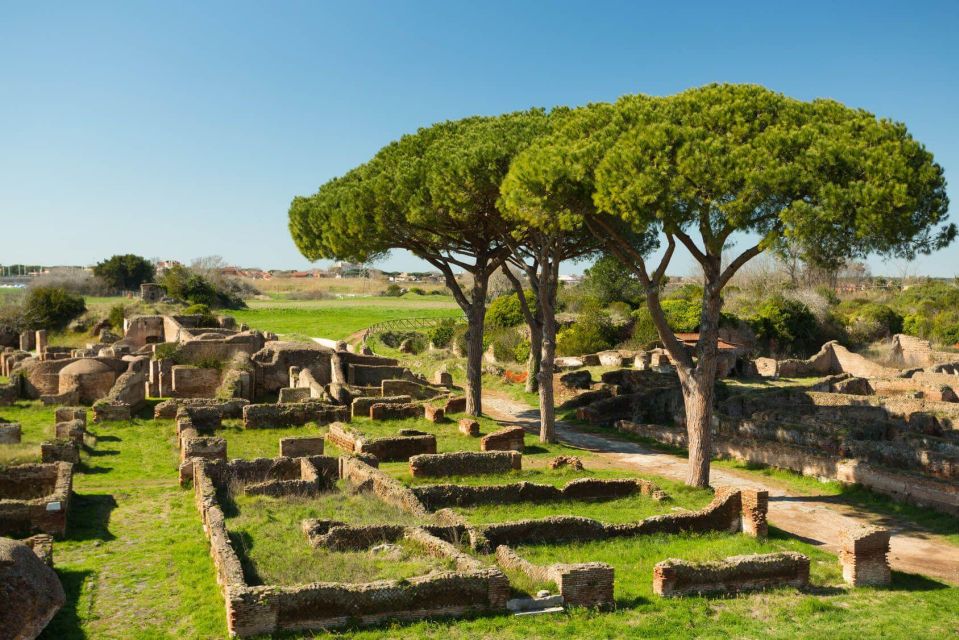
pixel 863 556
pixel 905 487
pixel 304 446
pixel 10 433
pixel 724 513
pixel 732 575
pixel 505 439
pixel 227 409
pixel 383 411
pixel 194 382
pixel 418 390
pixel 388 449
pixel 465 463
pixel 263 416
pixel 35 498
pixel 372 375
pixel 363 477
pixel 585 584
pixel 440 496
pixel 360 407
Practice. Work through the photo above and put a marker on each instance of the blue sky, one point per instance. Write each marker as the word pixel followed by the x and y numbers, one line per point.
pixel 183 129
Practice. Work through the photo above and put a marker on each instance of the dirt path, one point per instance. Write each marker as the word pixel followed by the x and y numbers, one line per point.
pixel 815 519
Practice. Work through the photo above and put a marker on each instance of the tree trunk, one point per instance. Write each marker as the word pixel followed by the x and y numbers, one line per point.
pixel 698 402
pixel 474 348
pixel 547 410
pixel 533 363
pixel 699 386
pixel 547 304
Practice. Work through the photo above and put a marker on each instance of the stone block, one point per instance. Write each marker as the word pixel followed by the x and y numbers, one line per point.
pixel 863 556
pixel 302 446
pixel 506 439
pixel 469 427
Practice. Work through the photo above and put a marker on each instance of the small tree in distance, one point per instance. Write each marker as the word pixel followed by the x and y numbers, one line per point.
pixel 125 272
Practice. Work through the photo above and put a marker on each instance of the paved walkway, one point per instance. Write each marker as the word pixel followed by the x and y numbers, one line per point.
pixel 815 519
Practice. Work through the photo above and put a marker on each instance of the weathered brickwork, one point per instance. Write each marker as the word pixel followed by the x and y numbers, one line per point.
pixel 734 574
pixel 469 427
pixel 302 446
pixel 465 463
pixel 265 416
pixel 387 449
pixel 586 584
pixel 506 439
pixel 863 556
pixel 10 432
pixel 35 498
pixel 226 408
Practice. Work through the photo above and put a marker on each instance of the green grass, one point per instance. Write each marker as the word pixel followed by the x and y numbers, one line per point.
pixel 275 551
pixel 337 319
pixel 136 564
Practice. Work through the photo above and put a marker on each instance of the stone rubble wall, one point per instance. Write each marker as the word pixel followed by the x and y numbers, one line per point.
pixel 35 498
pixel 264 416
pixel 863 556
pixel 724 513
pixel 465 463
pixel 418 390
pixel 194 382
pixel 440 496
pixel 505 439
pixel 360 407
pixel 363 477
pixel 228 409
pixel 905 487
pixel 584 584
pixel 387 449
pixel 301 446
pixel 383 411
pixel 732 575
pixel 10 432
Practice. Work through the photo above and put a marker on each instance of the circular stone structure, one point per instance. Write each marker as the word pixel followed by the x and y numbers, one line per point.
pixel 30 592
pixel 91 378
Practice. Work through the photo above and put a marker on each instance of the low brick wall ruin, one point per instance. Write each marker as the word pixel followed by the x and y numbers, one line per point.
pixel 584 584
pixel 418 390
pixel 252 610
pixel 863 556
pixel 725 513
pixel 363 477
pixel 905 487
pixel 304 446
pixel 506 439
pixel 732 575
pixel 465 463
pixel 383 411
pixel 35 498
pixel 441 496
pixel 228 409
pixel 265 416
pixel 387 449
pixel 360 407
pixel 10 432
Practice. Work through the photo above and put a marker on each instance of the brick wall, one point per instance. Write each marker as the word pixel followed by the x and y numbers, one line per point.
pixel 262 416
pixel 734 574
pixel 465 463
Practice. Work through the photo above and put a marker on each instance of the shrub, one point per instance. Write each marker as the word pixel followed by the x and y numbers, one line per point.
pixel 51 308
pixel 593 331
pixel 167 351
pixel 393 290
pixel 184 284
pixel 396 338
pixel 785 327
pixel 207 319
pixel 116 317
pixel 125 272
pixel 505 311
pixel 507 344
pixel 420 291
pixel 441 334
pixel 873 321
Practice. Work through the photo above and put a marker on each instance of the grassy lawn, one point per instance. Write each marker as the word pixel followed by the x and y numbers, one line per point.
pixel 275 551
pixel 337 319
pixel 135 563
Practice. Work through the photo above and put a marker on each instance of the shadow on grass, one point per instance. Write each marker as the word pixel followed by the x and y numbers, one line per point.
pixel 109 439
pixel 88 469
pixel 242 542
pixel 913 582
pixel 533 449
pixel 66 624
pixel 89 517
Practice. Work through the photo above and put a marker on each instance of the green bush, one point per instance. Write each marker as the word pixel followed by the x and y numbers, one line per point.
pixel 873 321
pixel 207 319
pixel 505 311
pixel 51 308
pixel 393 290
pixel 126 272
pixel 509 345
pixel 608 281
pixel 420 291
pixel 167 351
pixel 785 327
pixel 184 284
pixel 396 338
pixel 441 335
pixel 116 317
pixel 593 331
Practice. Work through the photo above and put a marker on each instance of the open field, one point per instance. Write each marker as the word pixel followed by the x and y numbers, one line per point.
pixel 303 287
pixel 337 319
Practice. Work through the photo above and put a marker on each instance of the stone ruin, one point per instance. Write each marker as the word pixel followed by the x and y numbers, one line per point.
pixel 30 591
pixel 35 498
pixel 857 421
pixel 732 575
